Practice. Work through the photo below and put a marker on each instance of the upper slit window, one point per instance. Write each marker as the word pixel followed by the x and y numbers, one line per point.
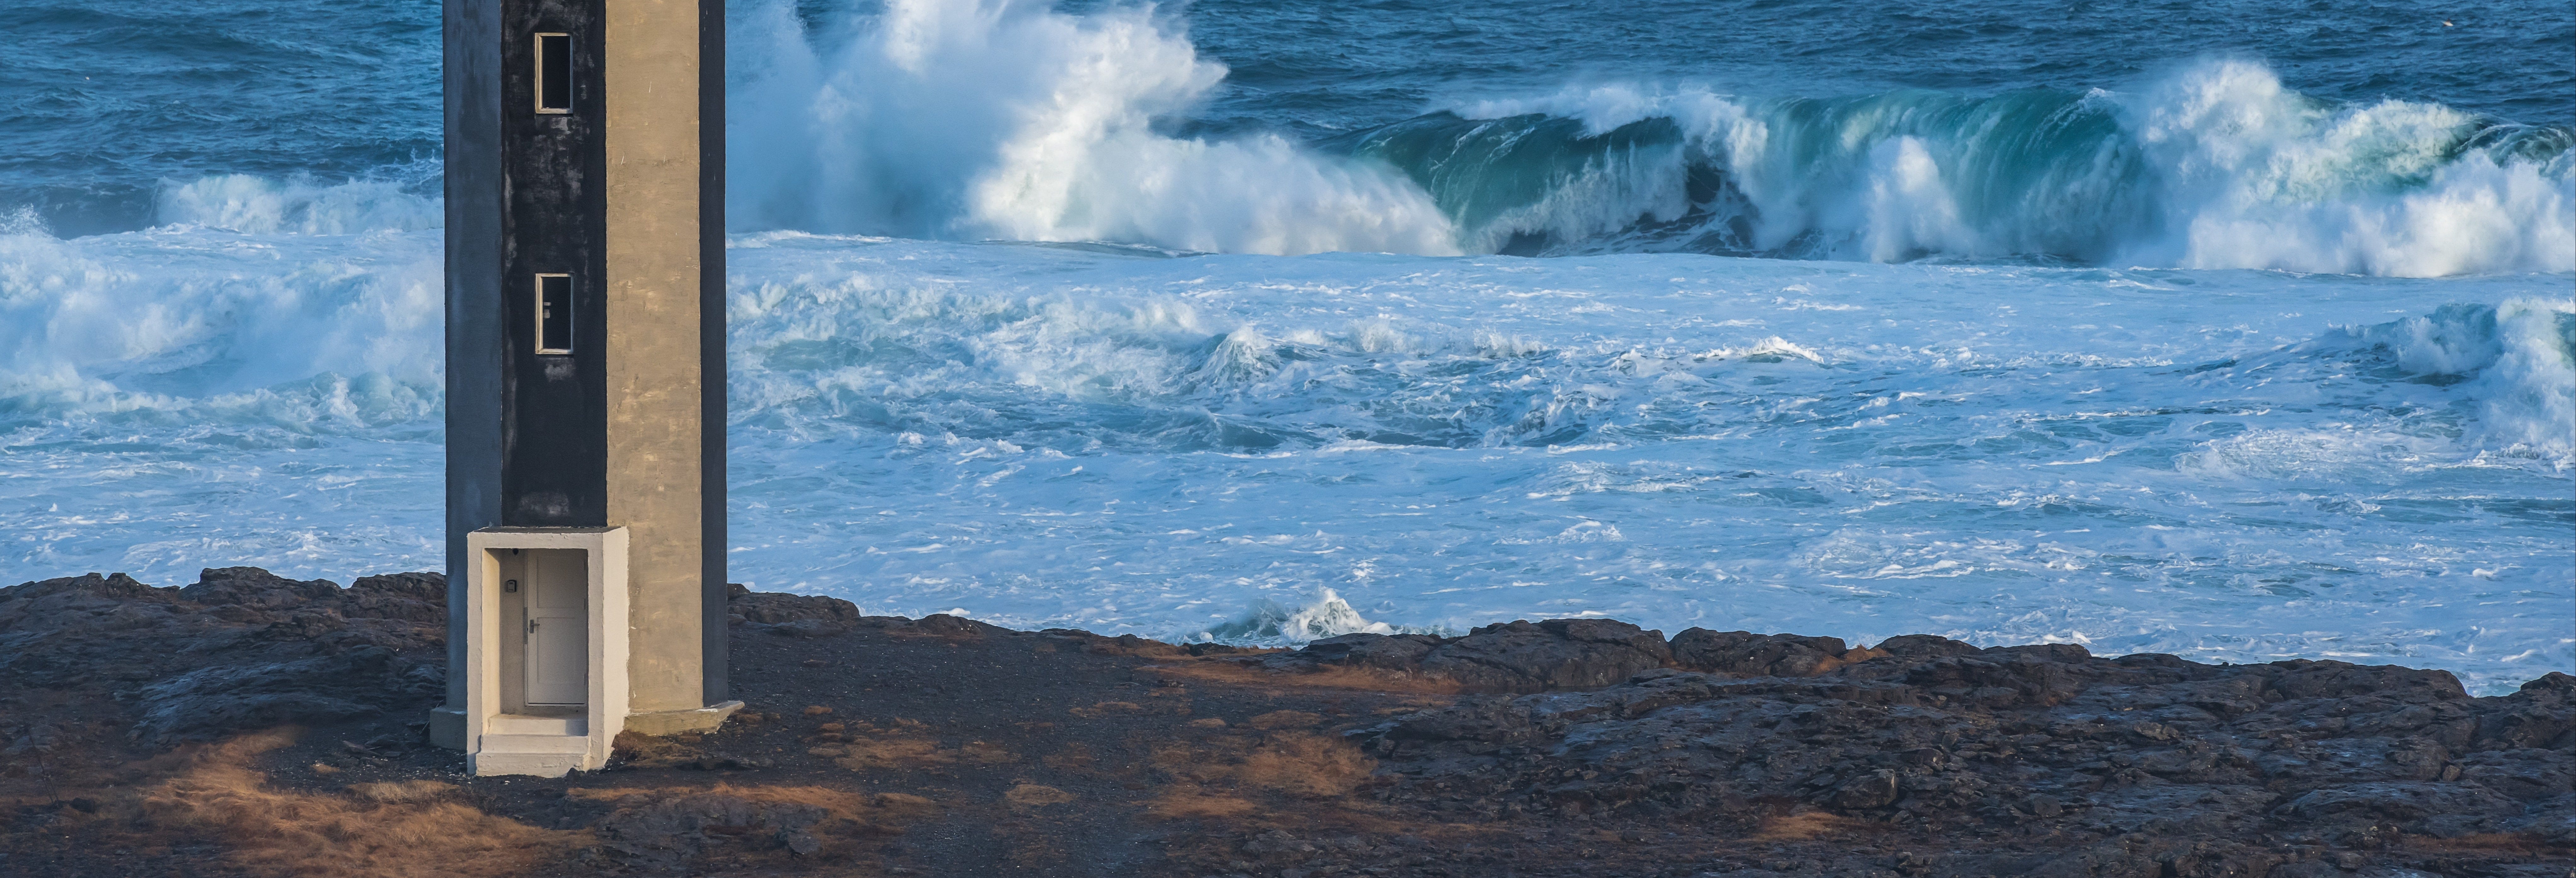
pixel 554 73
pixel 554 314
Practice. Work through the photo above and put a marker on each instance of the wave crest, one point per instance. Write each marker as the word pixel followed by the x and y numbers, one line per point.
pixel 2517 358
pixel 319 335
pixel 2215 166
pixel 261 206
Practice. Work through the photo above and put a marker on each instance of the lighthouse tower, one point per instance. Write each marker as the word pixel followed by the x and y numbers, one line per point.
pixel 585 377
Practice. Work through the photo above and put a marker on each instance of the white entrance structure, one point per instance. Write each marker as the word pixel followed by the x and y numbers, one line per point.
pixel 545 659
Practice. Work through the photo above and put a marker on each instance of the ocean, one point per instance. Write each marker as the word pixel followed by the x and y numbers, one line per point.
pixel 2238 331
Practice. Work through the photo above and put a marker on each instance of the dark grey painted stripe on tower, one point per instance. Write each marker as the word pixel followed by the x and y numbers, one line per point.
pixel 711 337
pixel 554 468
pixel 471 52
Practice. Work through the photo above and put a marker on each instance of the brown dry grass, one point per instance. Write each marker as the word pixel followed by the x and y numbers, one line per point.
pixel 1181 804
pixel 1856 655
pixel 402 790
pixel 1803 826
pixel 1312 766
pixel 386 830
pixel 1286 719
pixel 852 822
pixel 875 809
pixel 1297 764
pixel 1106 708
pixel 870 755
pixel 1029 795
pixel 646 751
pixel 861 746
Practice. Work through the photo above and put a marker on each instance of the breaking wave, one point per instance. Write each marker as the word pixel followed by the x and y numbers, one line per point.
pixel 1272 623
pixel 2214 166
pixel 261 206
pixel 1005 119
pixel 1008 119
pixel 2516 358
pixel 181 325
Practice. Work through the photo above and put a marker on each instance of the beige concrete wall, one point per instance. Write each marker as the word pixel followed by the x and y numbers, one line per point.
pixel 654 432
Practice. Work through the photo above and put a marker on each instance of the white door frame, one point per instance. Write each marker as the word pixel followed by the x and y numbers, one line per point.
pixel 605 548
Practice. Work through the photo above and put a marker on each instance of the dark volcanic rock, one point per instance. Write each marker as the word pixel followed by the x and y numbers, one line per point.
pixel 256 588
pixel 1745 654
pixel 796 615
pixel 239 649
pixel 1506 657
pixel 1555 654
pixel 944 625
pixel 1581 747
pixel 228 697
pixel 2181 768
pixel 1392 652
pixel 666 832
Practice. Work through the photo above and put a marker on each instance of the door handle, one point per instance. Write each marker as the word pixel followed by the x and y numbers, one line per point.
pixel 532 626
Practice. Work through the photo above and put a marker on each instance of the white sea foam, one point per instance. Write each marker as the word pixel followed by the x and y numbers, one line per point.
pixel 2517 358
pixel 1271 622
pixel 261 206
pixel 2186 461
pixel 2000 454
pixel 2267 178
pixel 299 332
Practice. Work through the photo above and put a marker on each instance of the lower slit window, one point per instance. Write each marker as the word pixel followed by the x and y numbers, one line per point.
pixel 554 313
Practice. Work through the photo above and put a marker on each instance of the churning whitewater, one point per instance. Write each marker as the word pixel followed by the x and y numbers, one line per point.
pixel 1262 323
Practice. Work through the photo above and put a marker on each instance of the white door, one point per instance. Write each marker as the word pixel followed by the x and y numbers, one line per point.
pixel 558 627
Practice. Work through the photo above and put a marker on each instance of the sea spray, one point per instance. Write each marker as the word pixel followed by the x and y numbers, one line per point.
pixel 1269 622
pixel 185 319
pixel 299 205
pixel 1006 119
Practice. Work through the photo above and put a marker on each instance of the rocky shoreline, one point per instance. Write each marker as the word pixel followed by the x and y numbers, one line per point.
pixel 248 724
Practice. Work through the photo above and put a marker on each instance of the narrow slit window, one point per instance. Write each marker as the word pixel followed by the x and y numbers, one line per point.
pixel 554 73
pixel 554 313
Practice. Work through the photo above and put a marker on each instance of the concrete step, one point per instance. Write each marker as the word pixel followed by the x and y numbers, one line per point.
pixel 540 755
pixel 525 724
pixel 493 743
pixel 487 764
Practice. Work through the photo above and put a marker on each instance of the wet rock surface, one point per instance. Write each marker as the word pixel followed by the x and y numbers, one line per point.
pixel 945 746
